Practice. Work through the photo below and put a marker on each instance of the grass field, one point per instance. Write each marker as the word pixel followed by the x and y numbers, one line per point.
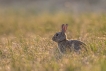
pixel 26 45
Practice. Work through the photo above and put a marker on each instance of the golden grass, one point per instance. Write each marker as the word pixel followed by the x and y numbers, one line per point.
pixel 26 45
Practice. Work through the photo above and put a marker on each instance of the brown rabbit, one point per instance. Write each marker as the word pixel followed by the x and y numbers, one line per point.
pixel 64 43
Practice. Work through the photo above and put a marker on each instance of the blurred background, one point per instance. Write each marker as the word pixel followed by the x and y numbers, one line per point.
pixel 40 16
pixel 74 6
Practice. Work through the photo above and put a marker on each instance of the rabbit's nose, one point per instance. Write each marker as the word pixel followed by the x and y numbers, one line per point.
pixel 53 38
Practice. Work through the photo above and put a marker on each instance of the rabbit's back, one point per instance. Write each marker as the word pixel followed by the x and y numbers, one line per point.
pixel 71 45
pixel 76 44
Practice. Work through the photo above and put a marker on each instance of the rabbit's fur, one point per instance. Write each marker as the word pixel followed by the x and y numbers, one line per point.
pixel 64 44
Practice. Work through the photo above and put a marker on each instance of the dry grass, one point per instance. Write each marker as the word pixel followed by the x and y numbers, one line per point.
pixel 26 45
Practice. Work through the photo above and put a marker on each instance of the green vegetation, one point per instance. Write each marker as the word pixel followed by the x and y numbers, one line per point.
pixel 26 45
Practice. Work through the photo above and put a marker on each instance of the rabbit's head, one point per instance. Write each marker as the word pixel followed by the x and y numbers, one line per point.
pixel 60 36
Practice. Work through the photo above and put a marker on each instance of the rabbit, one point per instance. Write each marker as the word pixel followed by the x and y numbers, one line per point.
pixel 64 43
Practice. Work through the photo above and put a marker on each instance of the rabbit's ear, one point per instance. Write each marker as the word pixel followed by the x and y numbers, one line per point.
pixel 63 27
pixel 66 25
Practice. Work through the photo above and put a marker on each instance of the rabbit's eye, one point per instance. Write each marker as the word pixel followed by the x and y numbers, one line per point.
pixel 57 34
